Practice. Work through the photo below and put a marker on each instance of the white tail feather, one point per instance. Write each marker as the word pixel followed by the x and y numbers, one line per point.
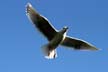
pixel 49 51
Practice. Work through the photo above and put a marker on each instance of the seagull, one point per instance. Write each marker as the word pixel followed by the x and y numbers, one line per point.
pixel 54 36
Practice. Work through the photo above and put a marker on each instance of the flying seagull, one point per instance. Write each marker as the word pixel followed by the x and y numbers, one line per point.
pixel 55 37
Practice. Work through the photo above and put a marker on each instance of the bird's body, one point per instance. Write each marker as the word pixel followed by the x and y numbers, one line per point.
pixel 50 48
pixel 55 37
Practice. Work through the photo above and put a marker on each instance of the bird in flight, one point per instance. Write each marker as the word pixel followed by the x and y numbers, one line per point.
pixel 54 36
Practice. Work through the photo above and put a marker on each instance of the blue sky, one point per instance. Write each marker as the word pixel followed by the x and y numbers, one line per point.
pixel 20 42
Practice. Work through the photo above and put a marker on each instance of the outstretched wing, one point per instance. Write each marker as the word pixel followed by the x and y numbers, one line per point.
pixel 77 44
pixel 40 22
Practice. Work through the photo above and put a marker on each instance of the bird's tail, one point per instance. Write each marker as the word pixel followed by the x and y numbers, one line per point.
pixel 49 51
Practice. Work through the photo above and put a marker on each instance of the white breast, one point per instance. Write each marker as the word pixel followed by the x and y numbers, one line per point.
pixel 64 36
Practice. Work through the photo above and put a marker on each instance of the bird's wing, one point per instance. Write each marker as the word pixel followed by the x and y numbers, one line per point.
pixel 40 22
pixel 77 44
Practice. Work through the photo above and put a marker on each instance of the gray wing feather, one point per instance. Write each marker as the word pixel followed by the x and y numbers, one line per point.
pixel 40 22
pixel 77 44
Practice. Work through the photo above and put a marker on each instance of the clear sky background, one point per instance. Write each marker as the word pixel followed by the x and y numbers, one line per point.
pixel 20 42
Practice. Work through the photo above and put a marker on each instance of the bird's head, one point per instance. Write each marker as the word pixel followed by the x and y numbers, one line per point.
pixel 64 29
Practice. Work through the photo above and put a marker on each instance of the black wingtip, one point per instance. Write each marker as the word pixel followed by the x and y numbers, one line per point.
pixel 28 6
pixel 30 10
